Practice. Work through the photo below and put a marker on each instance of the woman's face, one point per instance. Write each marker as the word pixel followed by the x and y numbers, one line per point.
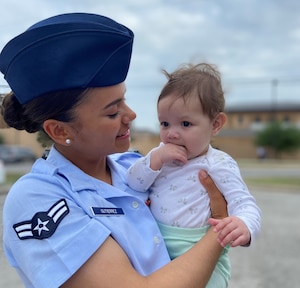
pixel 102 123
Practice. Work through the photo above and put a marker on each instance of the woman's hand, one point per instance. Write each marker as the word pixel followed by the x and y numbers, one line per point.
pixel 218 204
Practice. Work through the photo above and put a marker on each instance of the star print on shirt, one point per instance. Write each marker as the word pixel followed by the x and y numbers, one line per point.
pixel 43 224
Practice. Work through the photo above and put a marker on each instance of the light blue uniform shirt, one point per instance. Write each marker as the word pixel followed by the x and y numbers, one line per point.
pixel 50 229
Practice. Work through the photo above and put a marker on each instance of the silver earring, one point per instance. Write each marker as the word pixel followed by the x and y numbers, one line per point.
pixel 68 141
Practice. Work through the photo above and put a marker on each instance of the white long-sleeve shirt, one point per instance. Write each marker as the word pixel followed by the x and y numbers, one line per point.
pixel 178 198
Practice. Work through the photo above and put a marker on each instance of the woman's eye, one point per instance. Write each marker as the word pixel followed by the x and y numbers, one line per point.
pixel 164 124
pixel 186 124
pixel 113 115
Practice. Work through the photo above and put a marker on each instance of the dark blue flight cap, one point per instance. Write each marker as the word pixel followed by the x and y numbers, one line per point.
pixel 76 50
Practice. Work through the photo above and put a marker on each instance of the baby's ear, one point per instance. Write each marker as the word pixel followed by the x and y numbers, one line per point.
pixel 218 123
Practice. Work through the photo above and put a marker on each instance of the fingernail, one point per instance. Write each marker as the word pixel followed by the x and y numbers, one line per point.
pixel 203 174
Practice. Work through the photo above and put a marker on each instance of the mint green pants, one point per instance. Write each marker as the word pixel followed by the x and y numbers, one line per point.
pixel 179 240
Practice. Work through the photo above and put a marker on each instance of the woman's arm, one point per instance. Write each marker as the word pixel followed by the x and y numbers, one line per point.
pixel 110 267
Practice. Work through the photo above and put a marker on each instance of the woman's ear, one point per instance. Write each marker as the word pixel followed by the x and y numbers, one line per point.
pixel 218 123
pixel 57 131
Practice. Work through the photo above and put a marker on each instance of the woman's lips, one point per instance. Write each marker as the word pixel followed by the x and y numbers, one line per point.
pixel 126 134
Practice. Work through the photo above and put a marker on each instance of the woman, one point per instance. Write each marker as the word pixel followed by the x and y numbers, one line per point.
pixel 72 221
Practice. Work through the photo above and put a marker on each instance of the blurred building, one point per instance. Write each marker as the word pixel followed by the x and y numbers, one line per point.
pixel 243 122
pixel 237 136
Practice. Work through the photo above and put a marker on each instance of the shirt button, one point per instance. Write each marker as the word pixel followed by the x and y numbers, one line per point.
pixel 156 240
pixel 135 204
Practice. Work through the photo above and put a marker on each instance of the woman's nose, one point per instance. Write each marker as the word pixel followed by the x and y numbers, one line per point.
pixel 129 115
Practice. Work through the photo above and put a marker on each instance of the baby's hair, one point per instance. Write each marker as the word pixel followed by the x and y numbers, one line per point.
pixel 203 80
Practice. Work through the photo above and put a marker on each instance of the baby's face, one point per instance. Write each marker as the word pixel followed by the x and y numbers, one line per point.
pixel 183 123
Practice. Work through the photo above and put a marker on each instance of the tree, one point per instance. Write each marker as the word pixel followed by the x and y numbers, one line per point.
pixel 279 137
pixel 44 139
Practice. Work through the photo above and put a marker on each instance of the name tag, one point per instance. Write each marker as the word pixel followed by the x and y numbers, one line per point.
pixel 104 211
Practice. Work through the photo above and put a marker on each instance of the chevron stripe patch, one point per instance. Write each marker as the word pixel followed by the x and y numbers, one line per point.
pixel 43 224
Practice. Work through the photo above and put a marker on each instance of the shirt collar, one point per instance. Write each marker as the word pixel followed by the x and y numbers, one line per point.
pixel 79 180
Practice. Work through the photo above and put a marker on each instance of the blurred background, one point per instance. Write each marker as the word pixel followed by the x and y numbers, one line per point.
pixel 255 44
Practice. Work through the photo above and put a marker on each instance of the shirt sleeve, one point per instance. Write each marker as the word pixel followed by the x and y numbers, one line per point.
pixel 226 174
pixel 56 251
pixel 140 176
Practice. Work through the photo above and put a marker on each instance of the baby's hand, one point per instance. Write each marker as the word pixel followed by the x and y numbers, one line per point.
pixel 167 153
pixel 171 152
pixel 231 230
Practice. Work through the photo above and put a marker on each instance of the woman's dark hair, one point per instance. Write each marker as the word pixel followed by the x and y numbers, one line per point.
pixel 31 116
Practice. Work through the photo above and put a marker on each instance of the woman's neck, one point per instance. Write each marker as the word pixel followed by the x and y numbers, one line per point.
pixel 101 172
pixel 97 169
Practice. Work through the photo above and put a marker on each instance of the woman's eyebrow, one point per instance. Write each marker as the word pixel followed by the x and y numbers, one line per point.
pixel 113 103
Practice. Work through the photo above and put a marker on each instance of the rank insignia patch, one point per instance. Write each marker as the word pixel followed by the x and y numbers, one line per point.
pixel 43 224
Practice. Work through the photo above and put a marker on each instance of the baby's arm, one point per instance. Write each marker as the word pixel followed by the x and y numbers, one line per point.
pixel 142 174
pixel 243 224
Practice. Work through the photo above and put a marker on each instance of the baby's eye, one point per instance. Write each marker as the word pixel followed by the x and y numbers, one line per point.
pixel 164 124
pixel 186 123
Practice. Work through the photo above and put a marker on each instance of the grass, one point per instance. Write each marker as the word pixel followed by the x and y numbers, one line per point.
pixel 12 177
pixel 293 183
pixel 280 183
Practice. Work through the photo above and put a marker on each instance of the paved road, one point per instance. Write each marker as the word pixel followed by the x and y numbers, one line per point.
pixel 8 276
pixel 272 262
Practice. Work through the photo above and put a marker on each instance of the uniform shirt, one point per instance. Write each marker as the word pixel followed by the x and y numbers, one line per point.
pixel 50 226
pixel 178 198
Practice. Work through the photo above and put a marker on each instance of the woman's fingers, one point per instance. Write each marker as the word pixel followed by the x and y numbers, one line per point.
pixel 218 204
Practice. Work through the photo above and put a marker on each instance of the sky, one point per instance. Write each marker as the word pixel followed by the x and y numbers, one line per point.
pixel 254 43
